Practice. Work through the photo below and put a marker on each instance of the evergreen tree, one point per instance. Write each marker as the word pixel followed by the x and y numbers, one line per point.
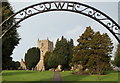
pixel 99 60
pixel 46 58
pixel 32 57
pixel 52 61
pixel 93 51
pixel 70 45
pixel 82 51
pixel 117 56
pixel 15 65
pixel 106 48
pixel 11 39
pixel 62 53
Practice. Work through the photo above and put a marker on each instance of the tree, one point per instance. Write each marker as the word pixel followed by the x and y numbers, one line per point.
pixel 70 49
pixel 11 39
pixel 46 58
pixel 117 56
pixel 99 60
pixel 61 54
pixel 32 57
pixel 82 51
pixel 93 51
pixel 15 65
pixel 52 61
pixel 104 52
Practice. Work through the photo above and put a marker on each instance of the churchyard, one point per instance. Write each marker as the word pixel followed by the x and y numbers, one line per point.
pixel 90 60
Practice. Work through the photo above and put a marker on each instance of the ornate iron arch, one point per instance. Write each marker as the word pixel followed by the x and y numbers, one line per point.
pixel 76 7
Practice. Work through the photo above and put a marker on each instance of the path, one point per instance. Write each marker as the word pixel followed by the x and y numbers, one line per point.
pixel 57 77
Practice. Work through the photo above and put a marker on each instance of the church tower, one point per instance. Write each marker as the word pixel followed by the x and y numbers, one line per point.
pixel 44 46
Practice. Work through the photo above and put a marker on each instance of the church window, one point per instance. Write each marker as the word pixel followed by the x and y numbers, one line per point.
pixel 42 44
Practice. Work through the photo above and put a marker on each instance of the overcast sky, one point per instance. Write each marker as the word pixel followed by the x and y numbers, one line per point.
pixel 55 24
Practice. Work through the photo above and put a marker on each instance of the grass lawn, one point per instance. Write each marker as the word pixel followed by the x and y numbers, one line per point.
pixel 110 76
pixel 21 75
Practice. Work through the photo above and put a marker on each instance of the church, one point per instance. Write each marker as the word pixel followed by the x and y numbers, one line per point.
pixel 44 46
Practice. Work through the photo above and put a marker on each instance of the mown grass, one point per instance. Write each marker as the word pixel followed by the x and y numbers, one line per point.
pixel 110 76
pixel 21 75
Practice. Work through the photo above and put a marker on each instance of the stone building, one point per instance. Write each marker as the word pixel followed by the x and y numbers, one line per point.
pixel 44 45
pixel 22 65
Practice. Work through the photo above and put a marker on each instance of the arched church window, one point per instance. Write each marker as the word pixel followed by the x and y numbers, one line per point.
pixel 42 44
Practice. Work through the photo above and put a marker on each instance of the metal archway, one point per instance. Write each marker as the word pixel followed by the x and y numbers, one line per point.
pixel 76 7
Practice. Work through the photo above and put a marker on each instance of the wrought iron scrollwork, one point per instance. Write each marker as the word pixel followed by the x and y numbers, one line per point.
pixel 76 7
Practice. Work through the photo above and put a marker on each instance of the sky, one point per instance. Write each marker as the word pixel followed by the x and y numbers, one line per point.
pixel 54 24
